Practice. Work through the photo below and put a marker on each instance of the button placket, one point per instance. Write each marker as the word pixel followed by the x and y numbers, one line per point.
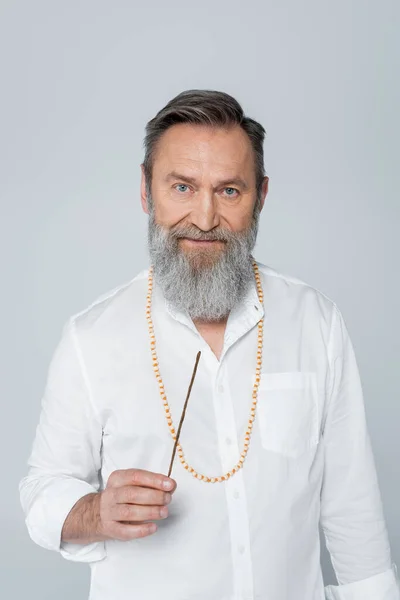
pixel 234 487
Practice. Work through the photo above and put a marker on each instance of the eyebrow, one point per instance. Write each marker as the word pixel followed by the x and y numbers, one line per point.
pixel 235 180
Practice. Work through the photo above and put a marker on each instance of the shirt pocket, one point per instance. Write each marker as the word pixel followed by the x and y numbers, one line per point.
pixel 288 412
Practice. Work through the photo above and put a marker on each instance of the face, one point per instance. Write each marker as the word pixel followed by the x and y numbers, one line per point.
pixel 203 183
pixel 203 218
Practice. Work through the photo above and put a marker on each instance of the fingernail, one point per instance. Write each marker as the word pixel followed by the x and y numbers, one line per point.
pixel 168 498
pixel 164 512
pixel 167 485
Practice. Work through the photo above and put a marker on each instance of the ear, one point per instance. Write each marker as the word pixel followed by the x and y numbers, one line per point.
pixel 143 195
pixel 264 191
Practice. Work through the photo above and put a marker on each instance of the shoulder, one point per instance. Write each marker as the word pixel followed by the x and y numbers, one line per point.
pixel 114 305
pixel 284 287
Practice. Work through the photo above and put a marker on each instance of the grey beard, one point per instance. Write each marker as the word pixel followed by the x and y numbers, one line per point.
pixel 205 287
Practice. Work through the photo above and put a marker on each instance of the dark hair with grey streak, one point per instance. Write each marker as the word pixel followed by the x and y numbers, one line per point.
pixel 203 107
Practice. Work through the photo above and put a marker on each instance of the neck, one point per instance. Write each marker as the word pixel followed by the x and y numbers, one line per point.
pixel 211 324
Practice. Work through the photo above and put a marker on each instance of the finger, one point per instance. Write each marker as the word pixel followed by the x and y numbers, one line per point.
pixel 142 478
pixel 125 532
pixel 135 512
pixel 132 494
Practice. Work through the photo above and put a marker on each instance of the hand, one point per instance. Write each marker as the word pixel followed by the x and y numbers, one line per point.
pixel 132 497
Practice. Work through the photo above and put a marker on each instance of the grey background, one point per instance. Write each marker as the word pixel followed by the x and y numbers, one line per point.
pixel 80 79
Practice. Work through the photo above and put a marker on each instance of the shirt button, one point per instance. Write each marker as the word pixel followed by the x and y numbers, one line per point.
pixel 228 441
pixel 236 494
pixel 221 388
pixel 241 549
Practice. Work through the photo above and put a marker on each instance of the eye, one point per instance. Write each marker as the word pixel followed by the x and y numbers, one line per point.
pixel 179 187
pixel 231 192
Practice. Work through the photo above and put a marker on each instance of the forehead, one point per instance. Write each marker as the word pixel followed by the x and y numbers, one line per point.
pixel 197 147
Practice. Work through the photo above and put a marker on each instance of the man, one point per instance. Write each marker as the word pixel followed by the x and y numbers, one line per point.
pixel 274 440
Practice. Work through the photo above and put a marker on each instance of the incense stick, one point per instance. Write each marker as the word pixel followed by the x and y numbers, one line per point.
pixel 184 412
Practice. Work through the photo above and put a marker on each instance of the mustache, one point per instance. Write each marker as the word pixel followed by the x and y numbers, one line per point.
pixel 194 233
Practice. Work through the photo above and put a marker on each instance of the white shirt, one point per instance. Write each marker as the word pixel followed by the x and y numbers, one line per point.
pixel 255 536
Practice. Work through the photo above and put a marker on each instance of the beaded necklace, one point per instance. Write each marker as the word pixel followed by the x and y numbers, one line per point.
pixel 247 436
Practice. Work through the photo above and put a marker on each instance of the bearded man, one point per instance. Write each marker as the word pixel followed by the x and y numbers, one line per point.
pixel 275 439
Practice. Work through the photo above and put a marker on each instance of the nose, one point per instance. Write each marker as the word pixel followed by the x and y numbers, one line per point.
pixel 205 213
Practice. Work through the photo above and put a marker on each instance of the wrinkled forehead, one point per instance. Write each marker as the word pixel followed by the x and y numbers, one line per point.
pixel 203 150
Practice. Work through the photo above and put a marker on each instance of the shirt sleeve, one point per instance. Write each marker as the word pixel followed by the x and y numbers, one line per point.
pixel 65 459
pixel 352 516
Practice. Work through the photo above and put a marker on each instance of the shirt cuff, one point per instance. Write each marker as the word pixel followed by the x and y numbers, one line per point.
pixel 384 586
pixel 46 518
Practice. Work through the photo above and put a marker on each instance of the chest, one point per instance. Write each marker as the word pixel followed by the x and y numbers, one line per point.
pixel 213 335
